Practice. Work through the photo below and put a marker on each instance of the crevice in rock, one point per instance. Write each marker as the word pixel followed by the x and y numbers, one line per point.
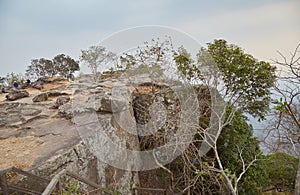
pixel 47 134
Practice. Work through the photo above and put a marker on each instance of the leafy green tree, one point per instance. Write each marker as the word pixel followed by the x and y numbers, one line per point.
pixel 40 68
pixel 243 83
pixel 96 57
pixel 185 64
pixel 248 80
pixel 282 170
pixel 61 65
pixel 65 66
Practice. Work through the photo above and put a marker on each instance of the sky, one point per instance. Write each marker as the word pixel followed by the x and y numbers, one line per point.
pixel 34 29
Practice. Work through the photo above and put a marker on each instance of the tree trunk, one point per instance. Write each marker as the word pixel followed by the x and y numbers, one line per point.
pixel 297 182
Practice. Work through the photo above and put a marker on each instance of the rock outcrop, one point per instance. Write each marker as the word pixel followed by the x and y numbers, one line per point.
pixel 40 97
pixel 39 131
pixel 81 126
pixel 15 94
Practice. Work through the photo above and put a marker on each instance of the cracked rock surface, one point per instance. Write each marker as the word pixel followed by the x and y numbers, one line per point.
pixel 53 128
pixel 31 132
pixel 38 131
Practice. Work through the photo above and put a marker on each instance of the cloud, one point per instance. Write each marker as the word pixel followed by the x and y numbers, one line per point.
pixel 34 28
pixel 261 29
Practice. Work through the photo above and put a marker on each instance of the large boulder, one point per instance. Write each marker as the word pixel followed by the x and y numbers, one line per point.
pixel 17 94
pixel 41 97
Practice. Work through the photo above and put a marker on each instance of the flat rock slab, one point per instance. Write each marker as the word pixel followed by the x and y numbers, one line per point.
pixel 32 132
pixel 39 141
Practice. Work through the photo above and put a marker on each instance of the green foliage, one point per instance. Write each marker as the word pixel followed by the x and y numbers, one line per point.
pixel 61 65
pixel 235 139
pixel 282 169
pixel 245 78
pixel 127 61
pixel 65 66
pixel 247 81
pixel 280 105
pixel 72 188
pixel 185 64
pixel 154 70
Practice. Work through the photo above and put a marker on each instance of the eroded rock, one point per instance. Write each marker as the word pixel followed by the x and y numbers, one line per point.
pixel 41 97
pixel 65 110
pixel 37 84
pixel 59 143
pixel 61 101
pixel 17 94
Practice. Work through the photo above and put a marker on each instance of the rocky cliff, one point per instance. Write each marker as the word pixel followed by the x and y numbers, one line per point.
pixel 38 131
pixel 97 129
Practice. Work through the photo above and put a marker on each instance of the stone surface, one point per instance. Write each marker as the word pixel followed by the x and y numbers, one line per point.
pixel 41 97
pixel 61 101
pixel 37 84
pixel 17 94
pixel 69 137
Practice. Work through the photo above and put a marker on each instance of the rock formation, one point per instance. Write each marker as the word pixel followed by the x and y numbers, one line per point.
pixel 15 94
pixel 80 125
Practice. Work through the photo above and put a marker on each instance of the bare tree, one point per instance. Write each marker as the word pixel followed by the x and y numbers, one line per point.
pixel 286 113
pixel 95 57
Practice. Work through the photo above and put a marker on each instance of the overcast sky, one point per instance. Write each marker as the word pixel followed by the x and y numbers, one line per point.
pixel 34 28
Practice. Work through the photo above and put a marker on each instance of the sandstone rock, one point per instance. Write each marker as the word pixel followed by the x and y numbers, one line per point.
pixel 66 111
pixel 37 84
pixel 41 97
pixel 58 138
pixel 113 104
pixel 61 101
pixel 106 103
pixel 17 94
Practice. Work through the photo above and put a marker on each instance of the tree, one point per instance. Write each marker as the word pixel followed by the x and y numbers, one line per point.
pixel 95 57
pixel 61 65
pixel 243 83
pixel 286 112
pixel 40 68
pixel 65 66
pixel 223 69
pixel 247 80
pixel 237 148
pixel 282 170
pixel 10 79
pixel 153 60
